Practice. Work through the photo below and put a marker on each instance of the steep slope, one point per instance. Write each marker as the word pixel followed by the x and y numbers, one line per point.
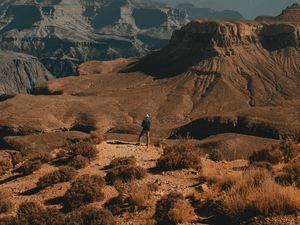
pixel 20 73
pixel 214 77
pixel 63 34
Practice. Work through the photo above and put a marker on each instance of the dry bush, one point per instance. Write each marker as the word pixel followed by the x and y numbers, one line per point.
pixel 123 161
pixel 84 148
pixel 85 189
pixel 290 149
pixel 261 165
pixel 131 198
pixel 179 157
pixel 253 193
pixel 96 137
pixel 30 213
pixel 272 155
pixel 85 123
pixel 216 155
pixel 5 204
pixel 43 157
pixel 16 158
pixel 125 174
pixel 5 165
pixel 63 174
pixel 9 220
pixel 79 162
pixel 173 209
pixel 286 151
pixel 293 169
pixel 29 166
pixel 91 216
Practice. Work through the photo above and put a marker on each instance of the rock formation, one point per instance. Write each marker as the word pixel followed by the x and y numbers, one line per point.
pixel 65 33
pixel 215 76
pixel 20 73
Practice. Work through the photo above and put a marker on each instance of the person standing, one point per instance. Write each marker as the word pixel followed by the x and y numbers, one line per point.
pixel 146 124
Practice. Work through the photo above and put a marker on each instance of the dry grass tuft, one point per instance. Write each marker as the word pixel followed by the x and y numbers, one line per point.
pixel 84 148
pixel 85 189
pixel 173 209
pixel 216 155
pixel 125 174
pixel 79 162
pixel 253 193
pixel 123 161
pixel 131 198
pixel 63 174
pixel 179 157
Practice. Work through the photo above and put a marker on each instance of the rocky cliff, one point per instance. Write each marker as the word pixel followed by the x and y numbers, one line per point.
pixel 20 73
pixel 64 33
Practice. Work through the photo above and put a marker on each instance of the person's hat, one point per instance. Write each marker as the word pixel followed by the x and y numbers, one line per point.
pixel 147 115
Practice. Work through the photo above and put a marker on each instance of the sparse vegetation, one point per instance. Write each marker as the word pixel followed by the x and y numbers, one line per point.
pixel 85 189
pixel 179 157
pixel 63 174
pixel 43 157
pixel 85 123
pixel 290 174
pixel 125 174
pixel 5 204
pixel 131 198
pixel 286 151
pixel 123 161
pixel 78 162
pixel 84 148
pixel 261 165
pixel 29 166
pixel 173 209
pixel 216 155
pixel 5 165
pixel 16 158
pixel 96 137
pixel 251 194
pixel 91 216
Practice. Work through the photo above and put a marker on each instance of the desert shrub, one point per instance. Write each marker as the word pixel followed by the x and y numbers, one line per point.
pixel 272 155
pixel 179 157
pixel 5 204
pixel 261 165
pixel 91 216
pixel 96 137
pixel 173 209
pixel 216 155
pixel 85 123
pixel 5 165
pixel 293 170
pixel 63 174
pixel 29 166
pixel 30 213
pixel 8 220
pixel 286 151
pixel 43 157
pixel 78 162
pixel 85 189
pixel 284 179
pixel 131 198
pixel 123 161
pixel 84 148
pixel 16 158
pixel 125 174
pixel 253 193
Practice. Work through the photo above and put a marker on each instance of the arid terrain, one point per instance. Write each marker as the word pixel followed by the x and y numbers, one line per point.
pixel 224 101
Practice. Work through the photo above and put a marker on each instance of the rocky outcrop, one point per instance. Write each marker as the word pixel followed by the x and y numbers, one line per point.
pixel 20 73
pixel 64 33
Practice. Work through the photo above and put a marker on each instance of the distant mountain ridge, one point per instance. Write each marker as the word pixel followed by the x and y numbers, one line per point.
pixel 64 33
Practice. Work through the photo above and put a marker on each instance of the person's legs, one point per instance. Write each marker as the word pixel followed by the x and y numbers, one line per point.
pixel 148 138
pixel 141 135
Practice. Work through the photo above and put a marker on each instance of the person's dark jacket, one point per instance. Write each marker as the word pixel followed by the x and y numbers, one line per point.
pixel 146 124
